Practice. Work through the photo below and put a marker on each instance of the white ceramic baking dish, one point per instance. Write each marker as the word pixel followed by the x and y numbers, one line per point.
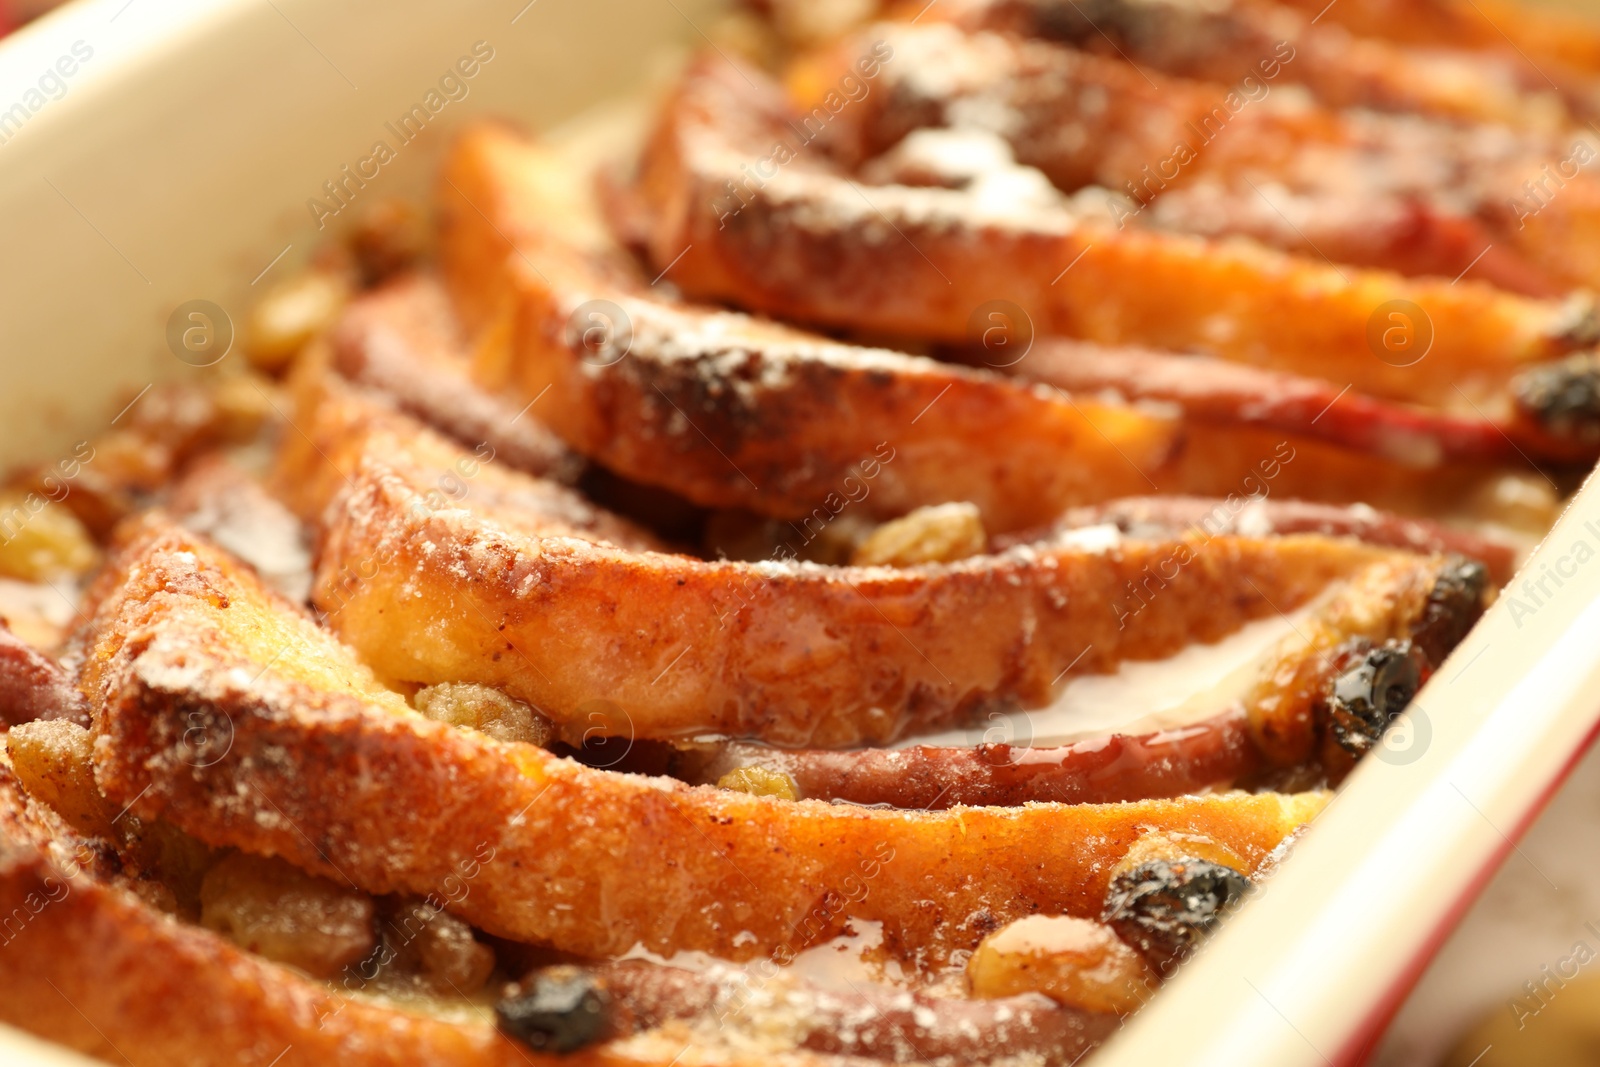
pixel 175 163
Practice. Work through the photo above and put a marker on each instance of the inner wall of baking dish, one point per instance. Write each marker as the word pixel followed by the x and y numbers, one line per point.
pixel 179 160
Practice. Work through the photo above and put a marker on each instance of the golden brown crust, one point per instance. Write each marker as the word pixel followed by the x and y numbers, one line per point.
pixel 808 244
pixel 163 991
pixel 716 405
pixel 200 666
pixel 726 438
pixel 798 654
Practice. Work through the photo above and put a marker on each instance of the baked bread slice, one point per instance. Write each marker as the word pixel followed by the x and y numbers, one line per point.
pixel 163 991
pixel 222 709
pixel 511 593
pixel 716 405
pixel 1273 44
pixel 1388 192
pixel 806 241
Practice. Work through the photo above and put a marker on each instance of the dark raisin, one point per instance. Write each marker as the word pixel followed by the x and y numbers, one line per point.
pixel 1165 907
pixel 1365 697
pixel 1454 604
pixel 559 1009
pixel 1563 397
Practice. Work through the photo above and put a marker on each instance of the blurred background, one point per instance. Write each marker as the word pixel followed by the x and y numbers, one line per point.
pixel 1518 982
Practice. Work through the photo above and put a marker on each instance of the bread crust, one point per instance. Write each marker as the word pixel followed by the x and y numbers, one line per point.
pixel 1390 193
pixel 797 654
pixel 810 245
pixel 720 424
pixel 218 710
pixel 162 991
pixel 716 405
